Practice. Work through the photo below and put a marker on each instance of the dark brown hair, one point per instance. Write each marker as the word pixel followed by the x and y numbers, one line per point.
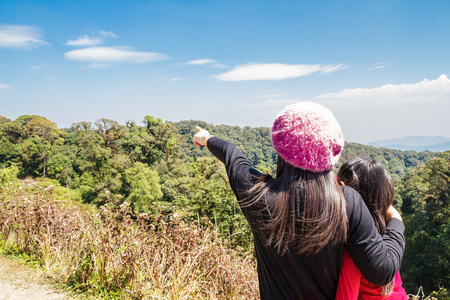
pixel 369 177
pixel 302 211
pixel 371 180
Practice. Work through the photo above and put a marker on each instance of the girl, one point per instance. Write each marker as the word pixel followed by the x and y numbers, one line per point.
pixel 371 180
pixel 301 219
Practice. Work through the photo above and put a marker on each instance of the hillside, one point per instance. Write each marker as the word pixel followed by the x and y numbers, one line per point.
pixel 108 147
pixel 156 168
pixel 255 143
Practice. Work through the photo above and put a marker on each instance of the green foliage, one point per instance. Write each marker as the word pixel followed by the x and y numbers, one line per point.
pixel 60 168
pixel 137 143
pixel 442 293
pixel 176 177
pixel 156 162
pixel 57 190
pixel 8 180
pixel 256 144
pixel 30 159
pixel 143 187
pixel 114 253
pixel 164 139
pixel 150 122
pixel 85 186
pixel 212 197
pixel 29 141
pixel 8 151
pixel 426 206
pixel 44 129
pixel 397 163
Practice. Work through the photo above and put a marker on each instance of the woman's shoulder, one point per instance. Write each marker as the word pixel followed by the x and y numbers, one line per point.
pixel 355 203
pixel 351 195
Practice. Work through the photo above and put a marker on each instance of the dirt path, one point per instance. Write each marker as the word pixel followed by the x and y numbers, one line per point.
pixel 20 282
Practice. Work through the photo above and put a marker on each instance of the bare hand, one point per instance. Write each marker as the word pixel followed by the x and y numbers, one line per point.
pixel 393 213
pixel 201 137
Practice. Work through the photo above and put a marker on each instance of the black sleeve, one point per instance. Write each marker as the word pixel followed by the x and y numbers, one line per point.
pixel 378 258
pixel 239 169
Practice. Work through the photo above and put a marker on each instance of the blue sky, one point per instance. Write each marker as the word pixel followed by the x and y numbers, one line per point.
pixel 380 66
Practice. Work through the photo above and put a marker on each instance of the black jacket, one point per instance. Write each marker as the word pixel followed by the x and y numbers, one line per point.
pixel 316 276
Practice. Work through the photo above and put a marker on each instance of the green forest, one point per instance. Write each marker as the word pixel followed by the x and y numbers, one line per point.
pixel 153 171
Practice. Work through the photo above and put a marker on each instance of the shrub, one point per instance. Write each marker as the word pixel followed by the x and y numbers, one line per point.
pixel 115 252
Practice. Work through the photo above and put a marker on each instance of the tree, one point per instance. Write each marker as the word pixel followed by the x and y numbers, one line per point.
pixel 111 132
pixel 213 198
pixel 176 179
pixel 44 129
pixel 143 187
pixel 8 176
pixel 8 151
pixel 30 157
pixel 60 168
pixel 164 139
pixel 92 154
pixel 426 207
pixel 137 143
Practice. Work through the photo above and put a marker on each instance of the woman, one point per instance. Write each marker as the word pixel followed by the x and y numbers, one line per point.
pixel 371 180
pixel 302 219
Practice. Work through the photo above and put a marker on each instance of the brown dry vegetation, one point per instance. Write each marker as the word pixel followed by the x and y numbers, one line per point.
pixel 110 252
pixel 114 253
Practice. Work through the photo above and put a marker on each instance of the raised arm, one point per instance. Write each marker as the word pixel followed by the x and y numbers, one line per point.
pixel 378 258
pixel 239 169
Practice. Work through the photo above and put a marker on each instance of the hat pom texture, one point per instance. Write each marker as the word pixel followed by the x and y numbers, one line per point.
pixel 308 136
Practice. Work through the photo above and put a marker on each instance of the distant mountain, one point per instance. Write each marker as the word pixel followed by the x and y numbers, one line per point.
pixel 417 143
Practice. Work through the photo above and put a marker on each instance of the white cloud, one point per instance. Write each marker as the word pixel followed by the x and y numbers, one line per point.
pixel 333 68
pixel 259 71
pixel 205 61
pixel 36 68
pixel 14 36
pixel 107 55
pixel 4 86
pixel 97 38
pixel 199 62
pixel 376 68
pixel 425 90
pixel 85 41
pixel 176 78
pixel 107 34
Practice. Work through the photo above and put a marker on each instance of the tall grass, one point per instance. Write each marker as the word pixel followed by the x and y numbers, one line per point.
pixel 117 254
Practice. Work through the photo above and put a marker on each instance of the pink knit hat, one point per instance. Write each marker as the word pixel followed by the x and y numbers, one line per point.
pixel 308 136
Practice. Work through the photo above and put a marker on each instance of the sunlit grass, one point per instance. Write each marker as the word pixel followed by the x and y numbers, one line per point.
pixel 114 253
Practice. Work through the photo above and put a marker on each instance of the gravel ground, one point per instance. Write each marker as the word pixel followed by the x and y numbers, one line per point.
pixel 20 282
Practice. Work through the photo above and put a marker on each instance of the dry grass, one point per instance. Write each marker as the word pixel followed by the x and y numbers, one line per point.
pixel 114 253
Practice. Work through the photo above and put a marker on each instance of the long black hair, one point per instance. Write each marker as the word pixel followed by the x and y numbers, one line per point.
pixel 369 177
pixel 304 210
pixel 371 180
